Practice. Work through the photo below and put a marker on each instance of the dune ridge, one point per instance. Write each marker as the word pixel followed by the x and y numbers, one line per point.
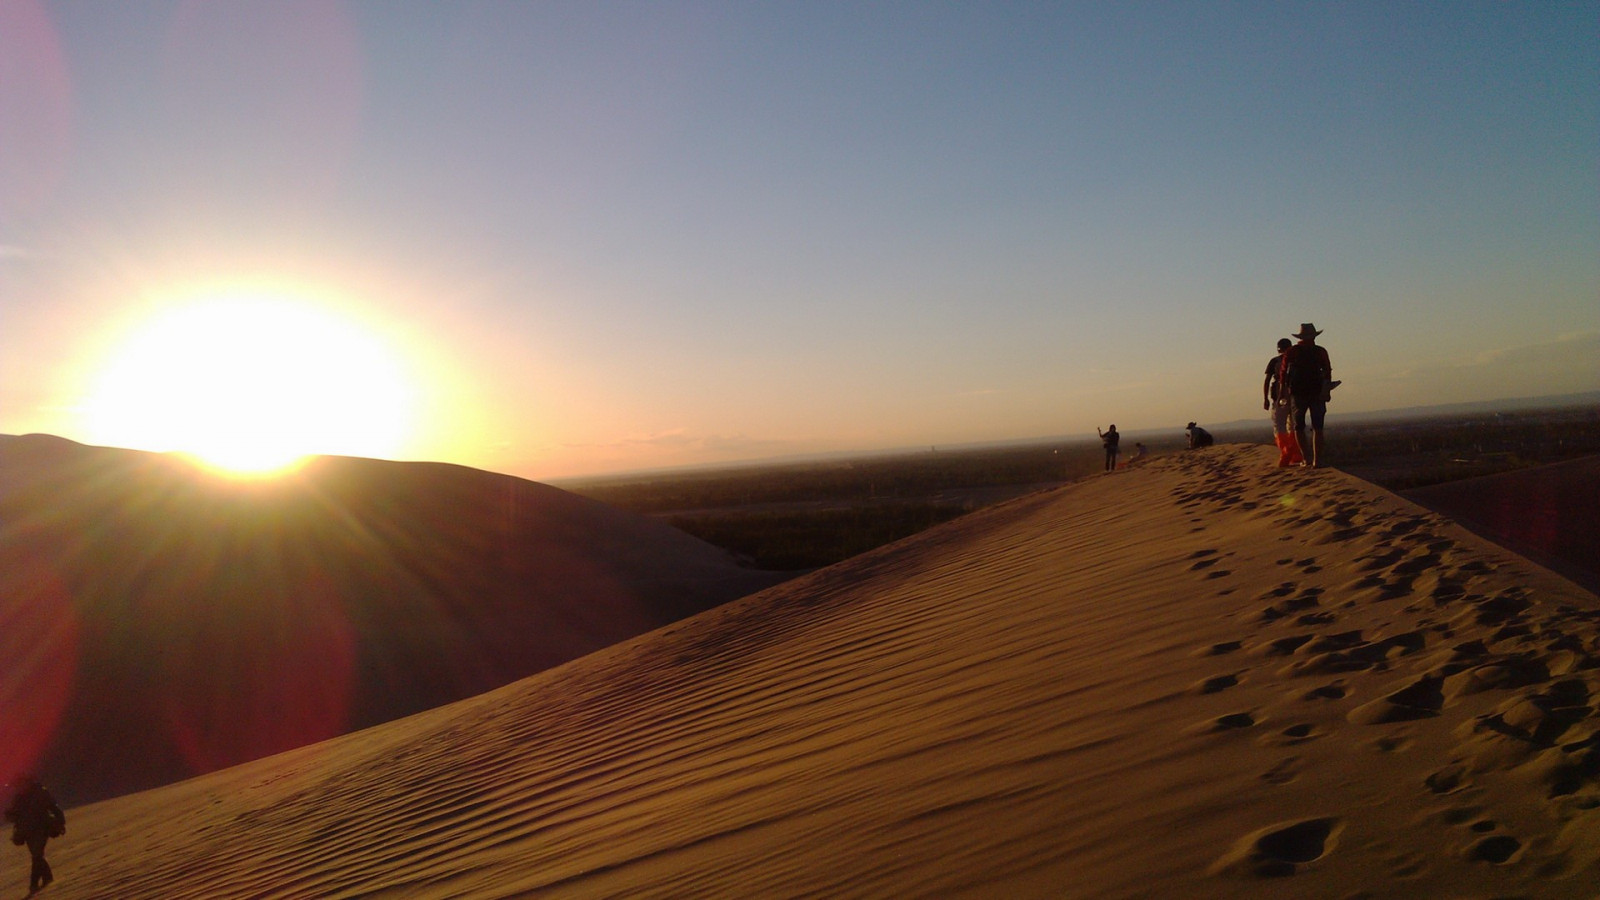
pixel 1206 677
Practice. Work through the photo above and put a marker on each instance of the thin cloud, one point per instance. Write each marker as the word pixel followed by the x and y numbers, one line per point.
pixel 1569 353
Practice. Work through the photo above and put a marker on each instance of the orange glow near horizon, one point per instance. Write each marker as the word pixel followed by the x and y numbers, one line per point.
pixel 250 382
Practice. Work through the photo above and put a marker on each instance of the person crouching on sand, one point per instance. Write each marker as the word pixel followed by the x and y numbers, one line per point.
pixel 1275 399
pixel 1198 437
pixel 36 819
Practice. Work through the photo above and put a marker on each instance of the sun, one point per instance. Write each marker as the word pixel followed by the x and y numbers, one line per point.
pixel 251 383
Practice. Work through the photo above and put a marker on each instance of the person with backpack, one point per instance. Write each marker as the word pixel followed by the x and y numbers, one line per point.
pixel 1198 437
pixel 1307 377
pixel 1276 400
pixel 1109 439
pixel 36 819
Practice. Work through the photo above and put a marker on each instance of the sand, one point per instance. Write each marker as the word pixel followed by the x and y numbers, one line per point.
pixel 1206 677
pixel 192 623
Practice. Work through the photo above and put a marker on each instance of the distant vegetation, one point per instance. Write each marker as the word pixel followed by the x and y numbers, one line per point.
pixel 806 515
pixel 1416 453
pixel 794 539
pixel 863 479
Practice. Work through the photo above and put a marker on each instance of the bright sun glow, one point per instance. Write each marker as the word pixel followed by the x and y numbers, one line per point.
pixel 251 383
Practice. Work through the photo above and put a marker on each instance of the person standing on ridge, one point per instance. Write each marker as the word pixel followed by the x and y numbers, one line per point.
pixel 1307 375
pixel 1276 400
pixel 36 819
pixel 1109 438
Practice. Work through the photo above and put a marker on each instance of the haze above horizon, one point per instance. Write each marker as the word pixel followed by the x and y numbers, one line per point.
pixel 595 237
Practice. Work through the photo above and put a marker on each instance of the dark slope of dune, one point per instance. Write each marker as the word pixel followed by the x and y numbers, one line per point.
pixel 1550 514
pixel 157 621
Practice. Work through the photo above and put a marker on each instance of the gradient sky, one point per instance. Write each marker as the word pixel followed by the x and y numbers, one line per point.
pixel 614 236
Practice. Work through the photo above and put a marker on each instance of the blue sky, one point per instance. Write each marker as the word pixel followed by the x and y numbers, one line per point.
pixel 631 235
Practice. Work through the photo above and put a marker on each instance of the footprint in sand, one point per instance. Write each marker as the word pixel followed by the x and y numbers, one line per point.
pixel 1283 772
pixel 1298 733
pixel 1216 684
pixel 1406 865
pixel 1233 721
pixel 1280 850
pixel 1391 743
pixel 1327 692
pixel 1421 699
pixel 1447 780
pixel 1286 645
pixel 1455 816
pixel 1499 849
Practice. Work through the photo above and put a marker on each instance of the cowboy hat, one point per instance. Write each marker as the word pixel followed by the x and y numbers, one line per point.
pixel 1307 331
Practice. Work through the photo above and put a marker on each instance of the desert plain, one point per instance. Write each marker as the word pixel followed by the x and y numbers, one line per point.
pixel 1200 677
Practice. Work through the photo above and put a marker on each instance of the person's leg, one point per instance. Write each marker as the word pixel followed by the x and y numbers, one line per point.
pixel 1297 410
pixel 1319 411
pixel 39 875
pixel 1280 422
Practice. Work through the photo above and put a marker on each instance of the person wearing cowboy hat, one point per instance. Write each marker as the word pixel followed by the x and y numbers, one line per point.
pixel 1307 377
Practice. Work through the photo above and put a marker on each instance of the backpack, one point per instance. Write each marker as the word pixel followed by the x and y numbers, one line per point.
pixel 1304 369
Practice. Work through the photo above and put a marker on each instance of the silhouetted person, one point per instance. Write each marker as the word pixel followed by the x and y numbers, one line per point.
pixel 1139 453
pixel 1275 398
pixel 1308 375
pixel 1198 437
pixel 36 819
pixel 1109 438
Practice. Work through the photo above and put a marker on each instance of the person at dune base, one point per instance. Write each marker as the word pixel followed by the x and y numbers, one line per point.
pixel 1276 400
pixel 1198 437
pixel 1109 438
pixel 35 818
pixel 1307 376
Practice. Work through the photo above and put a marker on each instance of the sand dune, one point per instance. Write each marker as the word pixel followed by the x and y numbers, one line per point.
pixel 1205 678
pixel 156 622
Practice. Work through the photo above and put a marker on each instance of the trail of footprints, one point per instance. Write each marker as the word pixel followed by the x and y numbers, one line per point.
pixel 1541 661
